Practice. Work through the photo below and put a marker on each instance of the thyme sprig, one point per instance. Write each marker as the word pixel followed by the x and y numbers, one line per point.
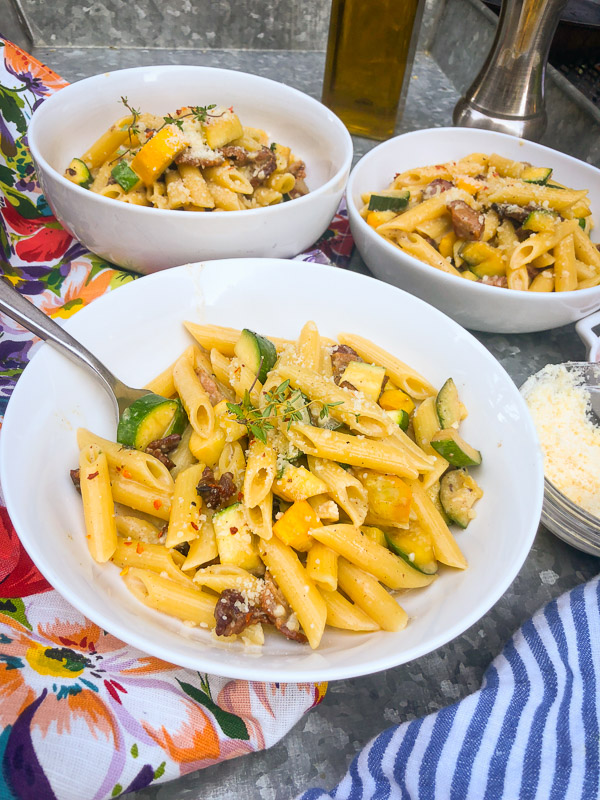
pixel 281 403
pixel 199 113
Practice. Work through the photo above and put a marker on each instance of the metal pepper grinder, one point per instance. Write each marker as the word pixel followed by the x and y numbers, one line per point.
pixel 508 93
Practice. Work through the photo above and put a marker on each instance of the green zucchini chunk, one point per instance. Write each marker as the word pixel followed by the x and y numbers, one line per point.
pixel 454 449
pixel 125 176
pixel 415 548
pixel 78 172
pixel 447 405
pixel 581 222
pixel 458 494
pixel 539 175
pixel 400 417
pixel 540 219
pixel 482 259
pixel 393 200
pixel 149 418
pixel 256 352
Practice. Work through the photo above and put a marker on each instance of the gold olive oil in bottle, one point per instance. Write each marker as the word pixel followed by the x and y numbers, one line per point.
pixel 369 54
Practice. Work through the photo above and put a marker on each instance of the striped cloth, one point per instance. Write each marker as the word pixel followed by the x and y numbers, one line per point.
pixel 531 731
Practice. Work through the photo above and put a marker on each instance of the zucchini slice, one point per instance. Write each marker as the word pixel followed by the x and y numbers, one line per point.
pixel 447 405
pixel 539 175
pixel 454 449
pixel 392 200
pixel 482 259
pixel 149 418
pixel 256 352
pixel 540 219
pixel 414 547
pixel 458 494
pixel 78 172
pixel 367 378
pixel 400 417
pixel 125 176
pixel 581 221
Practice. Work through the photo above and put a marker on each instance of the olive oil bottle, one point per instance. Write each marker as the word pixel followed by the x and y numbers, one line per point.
pixel 369 59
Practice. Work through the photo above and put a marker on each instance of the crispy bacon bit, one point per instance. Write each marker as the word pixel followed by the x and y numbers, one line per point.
pixel 234 613
pixel 495 280
pixel 93 475
pixel 513 212
pixel 203 162
pixel 467 223
pixel 437 186
pixel 210 386
pixel 216 493
pixel 74 473
pixel 341 356
pixel 298 170
pixel 264 163
pixel 159 449
pixel 240 155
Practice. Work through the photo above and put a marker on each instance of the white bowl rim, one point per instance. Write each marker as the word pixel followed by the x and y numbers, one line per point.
pixel 540 298
pixel 169 212
pixel 113 625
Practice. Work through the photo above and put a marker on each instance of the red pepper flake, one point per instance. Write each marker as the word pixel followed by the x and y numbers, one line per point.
pixel 233 530
pixel 118 469
pixel 231 109
pixel 240 497
pixel 194 526
pixel 126 473
pixel 139 549
pixel 157 504
pixel 88 536
pixel 92 476
pixel 127 544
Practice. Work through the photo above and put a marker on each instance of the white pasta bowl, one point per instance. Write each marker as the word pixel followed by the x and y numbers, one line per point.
pixel 137 330
pixel 474 305
pixel 149 239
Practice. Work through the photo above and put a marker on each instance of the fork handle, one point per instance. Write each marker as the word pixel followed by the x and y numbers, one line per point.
pixel 29 316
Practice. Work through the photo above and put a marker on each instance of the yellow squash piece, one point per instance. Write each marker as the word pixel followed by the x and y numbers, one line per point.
pixel 389 496
pixel 293 527
pixel 394 399
pixel 156 155
pixel 297 483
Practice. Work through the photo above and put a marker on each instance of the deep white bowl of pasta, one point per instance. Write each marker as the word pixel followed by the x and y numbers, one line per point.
pixel 147 239
pixel 137 331
pixel 473 304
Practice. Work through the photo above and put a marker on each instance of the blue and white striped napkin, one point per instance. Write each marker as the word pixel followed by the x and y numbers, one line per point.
pixel 531 731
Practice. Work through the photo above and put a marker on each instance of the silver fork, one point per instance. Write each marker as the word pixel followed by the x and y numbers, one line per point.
pixel 29 316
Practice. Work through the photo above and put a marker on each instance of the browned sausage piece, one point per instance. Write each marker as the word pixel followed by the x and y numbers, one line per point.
pixel 467 223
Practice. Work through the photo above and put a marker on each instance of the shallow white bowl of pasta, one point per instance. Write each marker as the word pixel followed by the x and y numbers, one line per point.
pixel 148 239
pixel 137 331
pixel 474 305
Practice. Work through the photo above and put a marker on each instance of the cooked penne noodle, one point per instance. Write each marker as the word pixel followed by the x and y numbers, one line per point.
pixel 321 566
pixel 341 613
pixel 98 505
pixel 186 516
pixel 148 556
pixel 194 398
pixel 370 596
pixel 347 491
pixel 348 541
pixel 184 602
pixel 298 589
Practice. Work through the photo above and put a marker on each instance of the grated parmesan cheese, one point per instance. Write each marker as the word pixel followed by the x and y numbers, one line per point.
pixel 562 413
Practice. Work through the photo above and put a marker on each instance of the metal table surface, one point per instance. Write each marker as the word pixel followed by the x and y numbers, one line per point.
pixel 319 749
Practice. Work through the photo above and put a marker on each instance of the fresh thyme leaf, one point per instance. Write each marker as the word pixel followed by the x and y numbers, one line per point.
pixel 259 432
pixel 273 147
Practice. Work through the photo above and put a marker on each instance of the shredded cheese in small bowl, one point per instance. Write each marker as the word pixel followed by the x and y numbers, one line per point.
pixel 564 401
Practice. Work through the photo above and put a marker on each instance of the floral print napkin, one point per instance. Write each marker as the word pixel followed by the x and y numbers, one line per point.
pixel 84 716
